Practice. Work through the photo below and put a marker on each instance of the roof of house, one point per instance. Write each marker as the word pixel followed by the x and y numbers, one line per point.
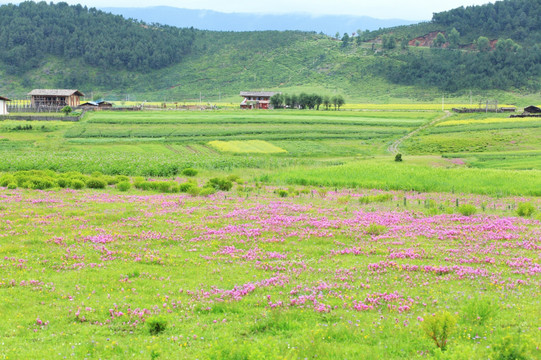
pixel 258 93
pixel 55 92
pixel 532 109
pixel 5 99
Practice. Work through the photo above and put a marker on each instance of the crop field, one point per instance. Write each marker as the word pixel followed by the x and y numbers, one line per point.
pixel 271 235
pixel 103 274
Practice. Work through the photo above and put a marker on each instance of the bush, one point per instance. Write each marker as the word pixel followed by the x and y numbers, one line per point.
pixel 194 191
pixel 375 229
pixel 375 198
pixel 467 209
pixel 189 172
pixel 121 178
pixel 282 193
pixel 184 187
pixel 398 158
pixel 479 311
pixel 220 184
pixel 12 186
pixel 525 209
pixel 96 183
pixel 439 327
pixel 123 186
pixel 156 325
pixel 207 191
pixel 63 182
pixel 510 348
pixel 77 184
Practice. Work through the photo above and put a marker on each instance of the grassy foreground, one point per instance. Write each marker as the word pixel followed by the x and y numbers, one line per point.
pixel 250 275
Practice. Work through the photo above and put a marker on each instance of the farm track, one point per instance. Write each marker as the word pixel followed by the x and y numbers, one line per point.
pixel 393 148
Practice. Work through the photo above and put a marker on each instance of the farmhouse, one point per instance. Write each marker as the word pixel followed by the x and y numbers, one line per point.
pixel 532 110
pixel 3 105
pixel 256 99
pixel 55 98
pixel 96 105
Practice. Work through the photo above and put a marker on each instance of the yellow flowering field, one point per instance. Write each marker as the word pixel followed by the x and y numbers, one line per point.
pixel 250 146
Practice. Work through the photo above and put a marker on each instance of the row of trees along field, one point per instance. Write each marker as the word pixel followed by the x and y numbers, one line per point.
pixel 29 32
pixel 306 101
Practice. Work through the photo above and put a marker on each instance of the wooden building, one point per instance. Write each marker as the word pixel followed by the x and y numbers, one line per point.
pixel 532 110
pixel 256 99
pixel 96 105
pixel 3 105
pixel 55 98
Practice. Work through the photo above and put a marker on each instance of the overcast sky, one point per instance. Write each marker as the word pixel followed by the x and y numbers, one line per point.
pixel 384 9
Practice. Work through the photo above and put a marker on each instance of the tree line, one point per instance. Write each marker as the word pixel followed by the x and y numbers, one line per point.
pixel 306 101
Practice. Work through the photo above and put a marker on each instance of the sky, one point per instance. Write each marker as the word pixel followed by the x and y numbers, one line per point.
pixel 383 9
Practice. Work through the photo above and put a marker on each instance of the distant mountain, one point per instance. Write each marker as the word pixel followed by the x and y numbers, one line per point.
pixel 217 21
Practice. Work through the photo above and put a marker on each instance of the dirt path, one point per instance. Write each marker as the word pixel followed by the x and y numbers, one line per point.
pixel 393 148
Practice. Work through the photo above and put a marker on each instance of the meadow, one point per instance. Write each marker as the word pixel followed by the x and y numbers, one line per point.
pixel 250 274
pixel 270 235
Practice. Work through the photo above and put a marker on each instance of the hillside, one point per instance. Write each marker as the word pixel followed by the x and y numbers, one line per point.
pixel 107 55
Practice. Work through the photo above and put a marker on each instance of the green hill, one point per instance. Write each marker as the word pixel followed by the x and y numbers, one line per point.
pixel 107 55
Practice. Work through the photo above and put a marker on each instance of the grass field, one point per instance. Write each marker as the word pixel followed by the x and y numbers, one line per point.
pixel 101 274
pixel 270 235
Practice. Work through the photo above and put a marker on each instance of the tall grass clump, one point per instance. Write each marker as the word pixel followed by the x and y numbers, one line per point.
pixel 439 327
pixel 526 209
pixel 467 209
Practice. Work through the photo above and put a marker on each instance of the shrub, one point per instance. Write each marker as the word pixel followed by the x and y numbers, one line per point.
pixel 525 209
pixel 282 193
pixel 156 325
pixel 123 186
pixel 439 327
pixel 194 191
pixel 235 179
pixel 479 311
pixel 12 186
pixel 206 191
pixel 185 187
pixel 77 184
pixel 375 229
pixel 121 178
pixel 510 348
pixel 189 172
pixel 375 198
pixel 398 158
pixel 6 179
pixel 467 209
pixel 96 183
pixel 63 182
pixel 220 184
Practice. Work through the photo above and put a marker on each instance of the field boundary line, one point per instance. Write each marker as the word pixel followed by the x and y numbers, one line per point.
pixel 393 148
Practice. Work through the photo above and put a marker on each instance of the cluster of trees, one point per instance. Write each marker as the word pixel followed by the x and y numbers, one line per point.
pixel 507 66
pixel 306 101
pixel 516 19
pixel 29 32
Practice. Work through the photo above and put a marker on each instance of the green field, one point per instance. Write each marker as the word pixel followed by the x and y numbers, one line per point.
pixel 270 235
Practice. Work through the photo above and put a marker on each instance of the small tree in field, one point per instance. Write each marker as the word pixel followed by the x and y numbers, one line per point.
pixel 66 110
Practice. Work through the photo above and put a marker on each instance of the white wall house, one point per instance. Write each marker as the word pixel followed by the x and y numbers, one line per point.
pixel 3 105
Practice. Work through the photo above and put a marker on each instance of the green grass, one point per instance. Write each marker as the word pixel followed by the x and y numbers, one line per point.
pixel 386 174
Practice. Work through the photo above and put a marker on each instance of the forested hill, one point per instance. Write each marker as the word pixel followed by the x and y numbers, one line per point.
pixel 515 19
pixel 46 45
pixel 29 32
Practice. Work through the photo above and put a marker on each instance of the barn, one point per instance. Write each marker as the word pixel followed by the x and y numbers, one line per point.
pixel 3 105
pixel 532 110
pixel 96 105
pixel 256 99
pixel 55 98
